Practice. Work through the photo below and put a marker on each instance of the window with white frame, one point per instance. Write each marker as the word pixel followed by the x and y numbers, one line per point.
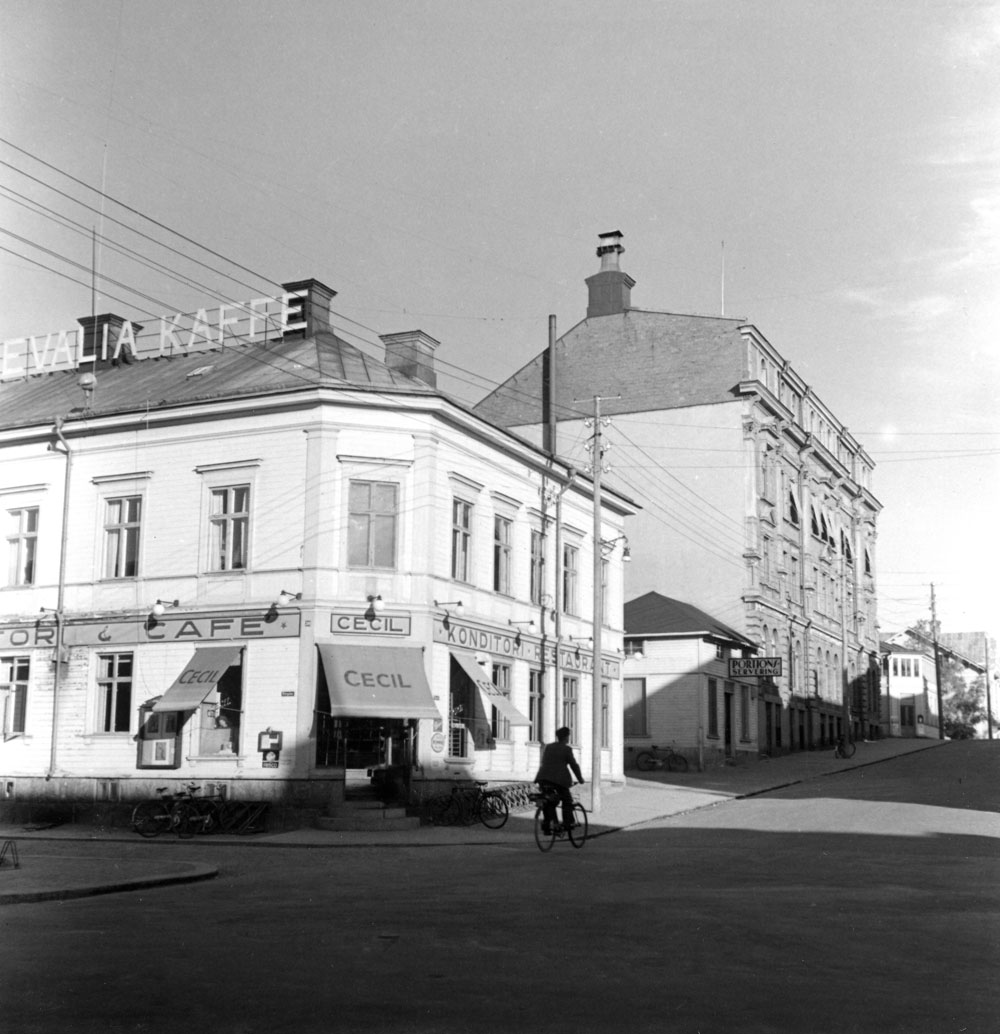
pixel 114 692
pixel 14 675
pixel 461 540
pixel 502 528
pixel 372 524
pixel 571 579
pixel 605 715
pixel 535 697
pixel 501 679
pixel 122 522
pixel 634 707
pixel 571 689
pixel 537 566
pixel 22 540
pixel 229 528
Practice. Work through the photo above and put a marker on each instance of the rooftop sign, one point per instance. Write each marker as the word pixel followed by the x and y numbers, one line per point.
pixel 180 334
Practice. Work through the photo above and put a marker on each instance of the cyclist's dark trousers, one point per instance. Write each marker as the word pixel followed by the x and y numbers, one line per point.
pixel 549 808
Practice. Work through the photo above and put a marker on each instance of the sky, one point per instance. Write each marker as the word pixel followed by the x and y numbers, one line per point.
pixel 828 171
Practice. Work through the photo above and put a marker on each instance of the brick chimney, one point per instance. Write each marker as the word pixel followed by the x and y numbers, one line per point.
pixel 411 352
pixel 108 340
pixel 610 289
pixel 313 308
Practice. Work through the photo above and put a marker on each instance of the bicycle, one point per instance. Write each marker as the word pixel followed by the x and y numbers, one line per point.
pixel 198 814
pixel 661 757
pixel 150 818
pixel 577 832
pixel 465 805
pixel 845 748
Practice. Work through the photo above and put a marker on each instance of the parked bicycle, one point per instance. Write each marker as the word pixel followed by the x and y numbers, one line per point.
pixel 845 748
pixel 465 805
pixel 577 833
pixel 151 818
pixel 661 757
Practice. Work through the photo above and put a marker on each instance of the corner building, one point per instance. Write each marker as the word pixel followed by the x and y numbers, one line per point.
pixel 259 559
pixel 757 501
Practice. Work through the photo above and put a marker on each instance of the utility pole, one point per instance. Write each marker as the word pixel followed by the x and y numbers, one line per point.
pixel 844 681
pixel 937 665
pixel 989 705
pixel 597 460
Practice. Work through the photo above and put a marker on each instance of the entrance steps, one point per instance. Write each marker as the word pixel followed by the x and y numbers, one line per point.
pixel 358 814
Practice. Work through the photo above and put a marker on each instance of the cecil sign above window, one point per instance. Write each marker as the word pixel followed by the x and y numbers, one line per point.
pixel 754 667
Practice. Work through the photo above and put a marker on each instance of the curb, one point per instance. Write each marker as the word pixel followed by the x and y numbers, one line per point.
pixel 199 872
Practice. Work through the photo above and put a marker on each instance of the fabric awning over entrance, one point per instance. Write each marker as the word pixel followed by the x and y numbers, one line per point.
pixel 198 679
pixel 377 681
pixel 491 695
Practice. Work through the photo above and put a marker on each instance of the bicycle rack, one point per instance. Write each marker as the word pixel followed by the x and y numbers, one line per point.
pixel 10 848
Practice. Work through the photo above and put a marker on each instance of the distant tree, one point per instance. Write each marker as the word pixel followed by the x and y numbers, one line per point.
pixel 964 701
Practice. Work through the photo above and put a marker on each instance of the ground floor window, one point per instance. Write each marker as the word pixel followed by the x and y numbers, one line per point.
pixel 221 713
pixel 713 708
pixel 499 725
pixel 114 692
pixel 571 687
pixel 14 673
pixel 634 707
pixel 535 697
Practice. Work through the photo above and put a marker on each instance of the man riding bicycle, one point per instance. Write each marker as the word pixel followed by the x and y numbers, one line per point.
pixel 556 774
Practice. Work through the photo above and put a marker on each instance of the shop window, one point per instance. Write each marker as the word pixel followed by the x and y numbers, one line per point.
pixel 122 521
pixel 221 715
pixel 14 676
pixel 499 725
pixel 634 707
pixel 159 739
pixel 114 692
pixel 22 539
pixel 502 527
pixel 229 528
pixel 372 524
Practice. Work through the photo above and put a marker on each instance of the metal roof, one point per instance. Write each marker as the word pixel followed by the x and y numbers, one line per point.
pixel 654 615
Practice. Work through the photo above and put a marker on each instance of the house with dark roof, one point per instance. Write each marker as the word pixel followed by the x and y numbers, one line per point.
pixel 757 501
pixel 246 553
pixel 678 690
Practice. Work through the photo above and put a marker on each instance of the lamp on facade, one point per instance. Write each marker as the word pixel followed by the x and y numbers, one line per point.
pixel 529 623
pixel 160 606
pixel 285 597
pixel 608 545
pixel 375 606
pixel 445 604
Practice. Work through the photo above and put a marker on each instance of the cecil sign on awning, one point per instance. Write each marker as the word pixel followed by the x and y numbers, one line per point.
pixel 754 667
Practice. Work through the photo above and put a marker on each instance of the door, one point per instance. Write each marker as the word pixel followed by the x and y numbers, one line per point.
pixel 728 708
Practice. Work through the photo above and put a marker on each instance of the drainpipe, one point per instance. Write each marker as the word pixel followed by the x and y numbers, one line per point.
pixel 60 592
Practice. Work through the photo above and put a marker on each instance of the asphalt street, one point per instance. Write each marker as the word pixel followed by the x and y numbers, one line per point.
pixel 865 901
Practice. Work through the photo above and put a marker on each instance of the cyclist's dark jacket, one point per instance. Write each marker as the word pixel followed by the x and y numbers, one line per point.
pixel 557 763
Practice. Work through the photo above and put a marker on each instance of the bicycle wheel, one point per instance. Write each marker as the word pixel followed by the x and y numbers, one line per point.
pixel 544 840
pixel 185 819
pixel 578 833
pixel 150 818
pixel 645 762
pixel 677 763
pixel 493 810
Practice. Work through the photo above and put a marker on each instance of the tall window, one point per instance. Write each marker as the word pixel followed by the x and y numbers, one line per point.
pixel 14 672
pixel 537 565
pixel 501 554
pixel 605 715
pixel 22 537
pixel 634 692
pixel 713 708
pixel 229 527
pixel 372 519
pixel 535 696
pixel 114 692
pixel 461 540
pixel 501 679
pixel 121 537
pixel 744 712
pixel 571 575
pixel 571 686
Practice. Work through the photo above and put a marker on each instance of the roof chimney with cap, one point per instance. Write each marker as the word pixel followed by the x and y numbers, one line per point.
pixel 108 340
pixel 610 289
pixel 312 307
pixel 411 352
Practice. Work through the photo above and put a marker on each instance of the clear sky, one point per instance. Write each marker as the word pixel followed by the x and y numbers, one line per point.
pixel 448 165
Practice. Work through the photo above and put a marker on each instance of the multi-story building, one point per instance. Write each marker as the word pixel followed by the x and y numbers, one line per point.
pixel 909 699
pixel 757 501
pixel 249 554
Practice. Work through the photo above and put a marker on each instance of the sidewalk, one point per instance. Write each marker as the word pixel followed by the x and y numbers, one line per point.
pixel 643 798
